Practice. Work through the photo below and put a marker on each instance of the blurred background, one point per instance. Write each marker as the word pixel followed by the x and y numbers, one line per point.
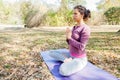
pixel 35 13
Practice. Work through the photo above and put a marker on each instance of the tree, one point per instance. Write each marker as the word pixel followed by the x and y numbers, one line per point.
pixel 106 4
pixel 113 15
pixel 8 13
pixel 67 4
pixel 32 13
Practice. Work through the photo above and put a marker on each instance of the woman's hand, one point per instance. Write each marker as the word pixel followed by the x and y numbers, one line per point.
pixel 67 60
pixel 68 33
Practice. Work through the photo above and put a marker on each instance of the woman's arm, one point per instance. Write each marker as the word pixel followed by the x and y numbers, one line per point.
pixel 84 39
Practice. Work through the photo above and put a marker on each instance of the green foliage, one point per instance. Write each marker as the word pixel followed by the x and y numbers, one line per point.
pixel 58 18
pixel 7 66
pixel 6 13
pixel 113 15
pixel 106 4
pixel 63 17
pixel 26 10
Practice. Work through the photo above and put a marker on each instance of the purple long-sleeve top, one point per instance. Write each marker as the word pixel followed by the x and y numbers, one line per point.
pixel 78 41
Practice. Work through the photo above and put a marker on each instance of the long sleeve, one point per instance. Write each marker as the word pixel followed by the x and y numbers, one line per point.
pixel 83 41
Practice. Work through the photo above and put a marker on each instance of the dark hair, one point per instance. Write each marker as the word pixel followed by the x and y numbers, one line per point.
pixel 83 11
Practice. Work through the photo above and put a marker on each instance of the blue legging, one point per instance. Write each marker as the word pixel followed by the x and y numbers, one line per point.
pixel 68 68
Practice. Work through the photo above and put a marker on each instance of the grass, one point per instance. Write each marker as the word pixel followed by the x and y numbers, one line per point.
pixel 19 52
pixel 105 41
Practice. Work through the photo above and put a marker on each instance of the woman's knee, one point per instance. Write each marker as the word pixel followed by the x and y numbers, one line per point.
pixel 63 71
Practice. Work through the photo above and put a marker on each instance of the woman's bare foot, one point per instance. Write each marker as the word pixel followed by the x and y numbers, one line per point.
pixel 68 59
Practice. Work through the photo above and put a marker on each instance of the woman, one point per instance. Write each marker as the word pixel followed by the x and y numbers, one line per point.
pixel 75 59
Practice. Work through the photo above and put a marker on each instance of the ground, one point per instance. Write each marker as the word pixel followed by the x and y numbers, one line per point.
pixel 20 49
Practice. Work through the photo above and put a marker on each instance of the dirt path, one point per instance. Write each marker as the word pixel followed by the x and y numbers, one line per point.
pixel 101 28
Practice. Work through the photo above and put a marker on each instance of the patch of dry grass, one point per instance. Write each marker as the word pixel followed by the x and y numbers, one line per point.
pixel 20 60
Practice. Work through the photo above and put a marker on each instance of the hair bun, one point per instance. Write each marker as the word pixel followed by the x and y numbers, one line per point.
pixel 88 10
pixel 87 14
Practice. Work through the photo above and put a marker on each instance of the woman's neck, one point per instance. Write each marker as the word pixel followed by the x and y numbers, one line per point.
pixel 80 23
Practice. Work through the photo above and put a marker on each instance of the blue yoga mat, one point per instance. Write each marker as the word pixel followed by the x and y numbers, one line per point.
pixel 90 71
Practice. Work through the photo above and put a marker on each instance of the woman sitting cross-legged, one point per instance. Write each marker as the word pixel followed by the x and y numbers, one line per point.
pixel 76 58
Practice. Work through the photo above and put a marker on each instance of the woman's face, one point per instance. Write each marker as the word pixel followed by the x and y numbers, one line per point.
pixel 77 16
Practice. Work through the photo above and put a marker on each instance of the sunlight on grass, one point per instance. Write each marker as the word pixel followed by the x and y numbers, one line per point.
pixel 22 50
